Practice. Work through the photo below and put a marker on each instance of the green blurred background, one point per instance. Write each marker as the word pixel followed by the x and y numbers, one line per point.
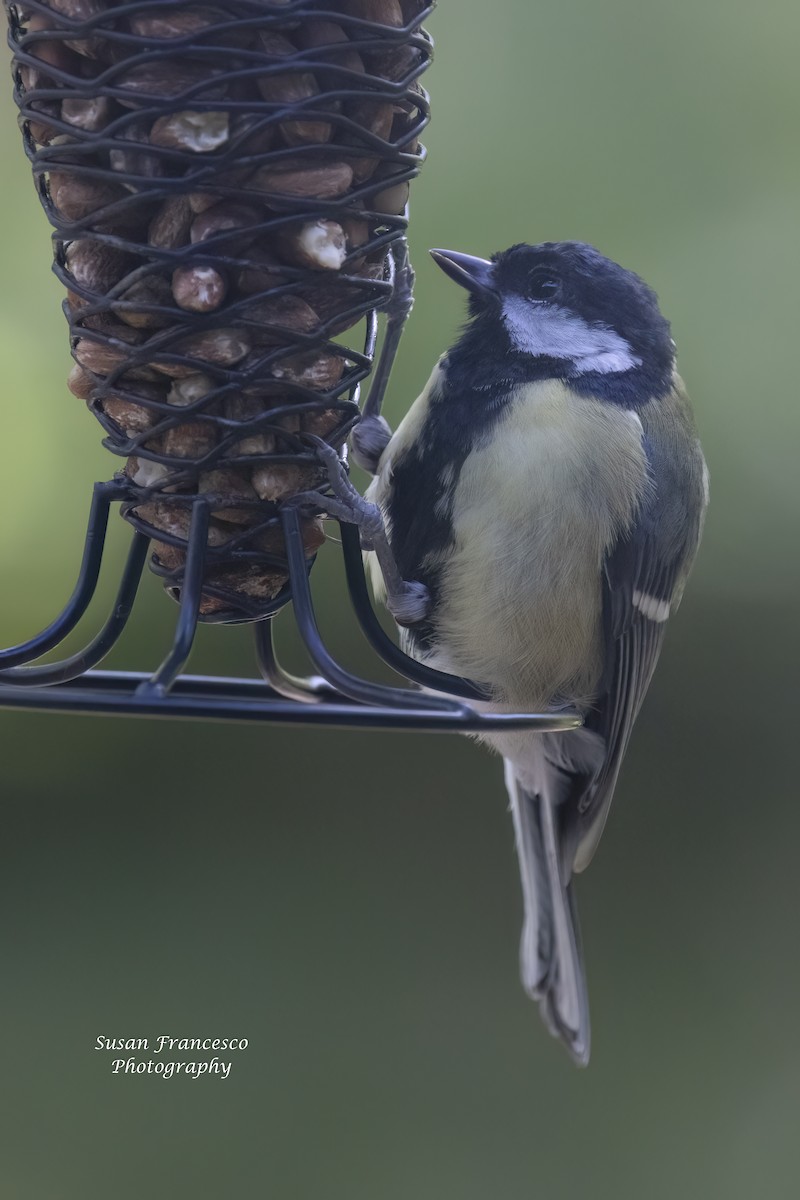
pixel 349 902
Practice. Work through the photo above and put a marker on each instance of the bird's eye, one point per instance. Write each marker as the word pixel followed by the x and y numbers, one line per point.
pixel 542 284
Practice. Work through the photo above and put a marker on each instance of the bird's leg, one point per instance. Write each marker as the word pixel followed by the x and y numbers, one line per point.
pixel 407 601
pixel 371 435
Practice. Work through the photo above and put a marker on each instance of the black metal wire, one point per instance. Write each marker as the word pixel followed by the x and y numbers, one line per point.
pixel 181 648
pixel 106 639
pixel 88 575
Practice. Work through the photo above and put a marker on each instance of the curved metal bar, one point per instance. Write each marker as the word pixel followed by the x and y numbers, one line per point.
pixel 98 648
pixel 381 643
pixel 290 687
pixel 88 575
pixel 191 590
pixel 343 681
pixel 398 311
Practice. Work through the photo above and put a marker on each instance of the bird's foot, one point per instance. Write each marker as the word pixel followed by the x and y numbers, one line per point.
pixel 368 441
pixel 407 601
pixel 399 307
pixel 346 503
pixel 409 604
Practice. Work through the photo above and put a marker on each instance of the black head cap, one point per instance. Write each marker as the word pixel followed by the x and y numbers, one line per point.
pixel 566 305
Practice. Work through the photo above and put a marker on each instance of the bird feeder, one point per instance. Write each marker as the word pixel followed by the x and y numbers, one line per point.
pixel 228 189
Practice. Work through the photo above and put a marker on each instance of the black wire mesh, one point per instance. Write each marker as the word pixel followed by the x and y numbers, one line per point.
pixel 224 182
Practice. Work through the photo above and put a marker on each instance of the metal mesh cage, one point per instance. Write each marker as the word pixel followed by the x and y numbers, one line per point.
pixel 223 183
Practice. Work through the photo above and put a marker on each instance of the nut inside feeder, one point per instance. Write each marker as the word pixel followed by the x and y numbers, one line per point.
pixel 225 183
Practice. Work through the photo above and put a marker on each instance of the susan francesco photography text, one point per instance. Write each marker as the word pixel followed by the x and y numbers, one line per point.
pixel 148 1058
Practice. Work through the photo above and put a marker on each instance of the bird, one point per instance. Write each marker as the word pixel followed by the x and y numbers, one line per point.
pixel 546 493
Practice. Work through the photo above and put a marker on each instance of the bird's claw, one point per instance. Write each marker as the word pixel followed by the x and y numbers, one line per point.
pixel 368 441
pixel 348 504
pixel 410 604
pixel 402 300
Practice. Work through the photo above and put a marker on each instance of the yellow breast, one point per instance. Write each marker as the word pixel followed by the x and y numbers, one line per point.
pixel 533 513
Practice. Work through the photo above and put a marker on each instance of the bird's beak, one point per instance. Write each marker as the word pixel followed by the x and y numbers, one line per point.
pixel 475 274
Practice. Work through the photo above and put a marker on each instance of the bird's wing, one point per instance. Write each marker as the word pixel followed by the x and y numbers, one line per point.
pixel 643 578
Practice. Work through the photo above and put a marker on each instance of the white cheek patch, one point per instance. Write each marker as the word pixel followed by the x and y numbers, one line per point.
pixel 651 607
pixel 552 332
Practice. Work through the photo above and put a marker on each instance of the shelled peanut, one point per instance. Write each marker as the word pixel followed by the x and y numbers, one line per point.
pixel 217 207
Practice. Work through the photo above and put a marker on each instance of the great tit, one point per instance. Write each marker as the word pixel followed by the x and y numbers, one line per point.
pixel 548 490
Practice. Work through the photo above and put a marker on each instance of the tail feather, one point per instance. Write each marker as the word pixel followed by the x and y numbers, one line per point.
pixel 551 962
